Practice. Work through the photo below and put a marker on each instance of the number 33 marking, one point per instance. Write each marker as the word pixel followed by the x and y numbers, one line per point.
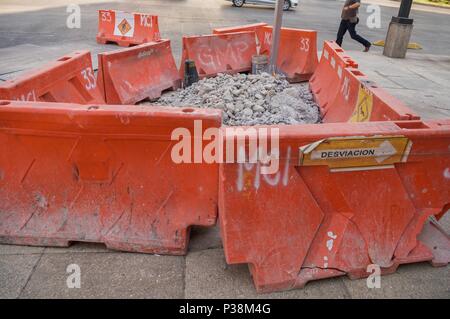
pixel 89 77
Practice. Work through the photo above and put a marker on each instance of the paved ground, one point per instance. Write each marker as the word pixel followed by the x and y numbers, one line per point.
pixel 34 32
pixel 35 272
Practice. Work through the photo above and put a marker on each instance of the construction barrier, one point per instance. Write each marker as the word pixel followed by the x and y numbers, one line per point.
pixel 68 79
pixel 327 79
pixel 345 197
pixel 103 174
pixel 126 28
pixel 134 74
pixel 219 53
pixel 297 56
pixel 256 27
pixel 344 93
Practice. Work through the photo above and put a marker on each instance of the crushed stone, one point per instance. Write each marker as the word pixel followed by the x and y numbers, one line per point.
pixel 248 99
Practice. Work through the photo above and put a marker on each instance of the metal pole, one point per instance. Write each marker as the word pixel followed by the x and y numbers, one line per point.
pixel 405 8
pixel 276 36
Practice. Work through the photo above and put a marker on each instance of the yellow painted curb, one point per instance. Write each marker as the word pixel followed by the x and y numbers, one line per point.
pixel 411 45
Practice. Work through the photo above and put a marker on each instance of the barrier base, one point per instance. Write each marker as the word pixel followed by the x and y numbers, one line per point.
pixel 433 247
pixel 119 244
pixel 34 241
pixel 119 43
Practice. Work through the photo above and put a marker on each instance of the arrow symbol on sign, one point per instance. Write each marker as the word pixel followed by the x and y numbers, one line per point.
pixel 384 151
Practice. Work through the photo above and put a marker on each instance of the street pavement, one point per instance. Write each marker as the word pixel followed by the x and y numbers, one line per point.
pixel 34 32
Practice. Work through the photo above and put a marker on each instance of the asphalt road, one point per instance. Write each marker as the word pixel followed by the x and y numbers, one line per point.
pixel 47 26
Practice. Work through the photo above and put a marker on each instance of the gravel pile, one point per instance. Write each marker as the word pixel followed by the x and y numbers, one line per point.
pixel 248 99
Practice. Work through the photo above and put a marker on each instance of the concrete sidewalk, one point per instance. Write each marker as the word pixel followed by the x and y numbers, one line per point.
pixel 421 81
pixel 35 272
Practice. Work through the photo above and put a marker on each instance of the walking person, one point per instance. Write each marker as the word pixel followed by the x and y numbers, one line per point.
pixel 349 20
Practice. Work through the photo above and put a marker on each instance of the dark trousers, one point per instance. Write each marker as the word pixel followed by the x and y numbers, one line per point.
pixel 347 25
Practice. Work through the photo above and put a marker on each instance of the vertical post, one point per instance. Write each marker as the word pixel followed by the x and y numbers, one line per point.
pixel 405 8
pixel 399 32
pixel 276 36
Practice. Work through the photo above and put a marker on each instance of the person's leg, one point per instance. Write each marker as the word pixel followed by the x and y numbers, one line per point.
pixel 341 32
pixel 357 37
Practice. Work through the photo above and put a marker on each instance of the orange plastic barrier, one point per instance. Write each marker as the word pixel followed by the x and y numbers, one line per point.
pixel 297 56
pixel 256 27
pixel 126 28
pixel 142 72
pixel 103 174
pixel 69 79
pixel 327 80
pixel 345 196
pixel 219 53
pixel 344 93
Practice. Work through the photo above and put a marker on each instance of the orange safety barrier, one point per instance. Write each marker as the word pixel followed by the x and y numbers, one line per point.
pixel 344 93
pixel 142 72
pixel 327 79
pixel 256 27
pixel 68 79
pixel 297 55
pixel 219 53
pixel 103 174
pixel 126 28
pixel 346 197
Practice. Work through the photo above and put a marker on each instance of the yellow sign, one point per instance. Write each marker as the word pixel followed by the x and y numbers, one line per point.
pixel 124 27
pixel 356 152
pixel 364 105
